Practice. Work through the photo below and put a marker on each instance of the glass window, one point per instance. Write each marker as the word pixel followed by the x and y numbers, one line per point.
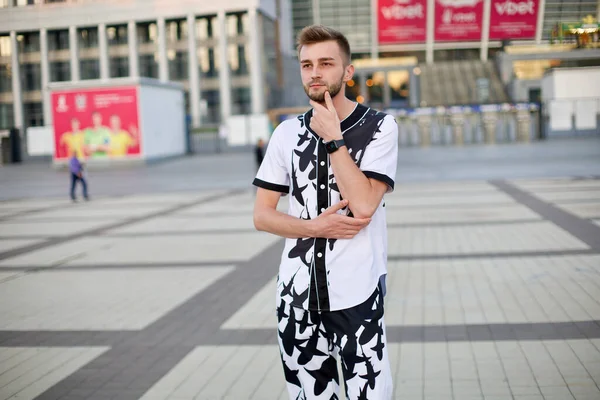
pixel 116 35
pixel 29 42
pixel 178 65
pixel 207 27
pixel 208 60
pixel 119 67
pixel 31 77
pixel 88 38
pixel 33 114
pixel 5 78
pixel 147 32
pixel 237 24
pixel 5 49
pixel 148 66
pixel 89 69
pixel 60 71
pixel 211 98
pixel 241 103
pixel 58 40
pixel 177 30
pixel 6 116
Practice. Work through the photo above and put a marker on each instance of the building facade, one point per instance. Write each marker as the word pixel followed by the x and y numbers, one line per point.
pixel 227 54
pixel 422 33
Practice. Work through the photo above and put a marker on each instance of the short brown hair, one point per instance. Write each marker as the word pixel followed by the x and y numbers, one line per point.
pixel 319 33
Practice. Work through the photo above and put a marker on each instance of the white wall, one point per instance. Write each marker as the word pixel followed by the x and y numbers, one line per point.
pixel 576 83
pixel 162 114
pixel 90 13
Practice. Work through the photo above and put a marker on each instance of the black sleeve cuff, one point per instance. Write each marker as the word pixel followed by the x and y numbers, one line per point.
pixel 380 177
pixel 271 186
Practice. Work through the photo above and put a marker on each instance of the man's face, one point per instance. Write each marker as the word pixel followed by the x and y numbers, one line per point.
pixel 97 119
pixel 322 69
pixel 115 123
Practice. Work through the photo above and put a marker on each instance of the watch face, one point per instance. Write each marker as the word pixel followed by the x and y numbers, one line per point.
pixel 330 146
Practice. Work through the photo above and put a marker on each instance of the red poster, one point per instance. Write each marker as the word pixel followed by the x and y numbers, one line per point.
pixel 402 21
pixel 458 20
pixel 513 19
pixel 96 123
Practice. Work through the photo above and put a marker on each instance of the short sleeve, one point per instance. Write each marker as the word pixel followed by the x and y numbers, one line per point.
pixel 273 174
pixel 380 160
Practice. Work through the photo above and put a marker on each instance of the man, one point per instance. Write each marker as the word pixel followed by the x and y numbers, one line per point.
pixel 97 138
pixel 336 162
pixel 73 140
pixel 259 152
pixel 120 140
pixel 77 175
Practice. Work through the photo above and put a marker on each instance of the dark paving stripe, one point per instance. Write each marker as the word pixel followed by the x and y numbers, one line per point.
pixel 584 230
pixel 541 253
pixel 181 233
pixel 25 237
pixel 268 336
pixel 462 223
pixel 445 333
pixel 140 360
pixel 120 266
pixel 98 231
pixel 62 338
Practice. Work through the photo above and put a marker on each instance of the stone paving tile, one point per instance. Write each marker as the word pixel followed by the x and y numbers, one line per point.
pixel 7 244
pixel 440 215
pixel 16 229
pixel 531 236
pixel 105 300
pixel 27 372
pixel 177 225
pixel 582 210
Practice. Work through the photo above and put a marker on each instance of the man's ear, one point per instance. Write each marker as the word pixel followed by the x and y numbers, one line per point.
pixel 349 73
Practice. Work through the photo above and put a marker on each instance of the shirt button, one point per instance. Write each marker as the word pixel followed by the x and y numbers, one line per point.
pixel 319 255
pixel 322 186
pixel 322 210
pixel 322 163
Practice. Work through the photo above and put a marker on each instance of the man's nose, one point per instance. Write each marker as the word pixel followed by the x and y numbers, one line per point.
pixel 316 72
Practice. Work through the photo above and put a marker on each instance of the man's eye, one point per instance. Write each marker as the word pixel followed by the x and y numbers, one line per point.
pixel 306 66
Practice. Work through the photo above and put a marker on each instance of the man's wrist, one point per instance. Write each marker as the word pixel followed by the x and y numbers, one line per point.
pixel 310 228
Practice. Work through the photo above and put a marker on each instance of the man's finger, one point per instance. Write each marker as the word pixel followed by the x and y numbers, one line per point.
pixel 317 106
pixel 329 102
pixel 335 207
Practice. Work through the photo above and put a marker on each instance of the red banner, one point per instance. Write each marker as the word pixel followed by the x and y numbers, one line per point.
pixel 458 20
pixel 96 123
pixel 513 19
pixel 402 21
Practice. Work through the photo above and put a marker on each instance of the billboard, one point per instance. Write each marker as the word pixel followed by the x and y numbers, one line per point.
pixel 402 21
pixel 458 20
pixel 513 19
pixel 96 123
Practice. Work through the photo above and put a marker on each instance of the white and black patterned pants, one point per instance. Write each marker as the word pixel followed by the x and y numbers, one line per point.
pixel 309 341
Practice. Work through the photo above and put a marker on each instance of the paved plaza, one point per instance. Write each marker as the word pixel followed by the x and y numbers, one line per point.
pixel 160 288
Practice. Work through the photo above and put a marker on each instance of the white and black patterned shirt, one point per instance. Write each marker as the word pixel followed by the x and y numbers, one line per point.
pixel 330 274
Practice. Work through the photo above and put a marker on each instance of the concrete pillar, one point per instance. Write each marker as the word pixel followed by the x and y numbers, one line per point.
pixel 103 49
pixel 19 121
pixel 256 67
pixel 374 30
pixel 540 20
pixel 430 31
pixel 132 42
pixel 74 54
pixel 485 29
pixel 45 70
pixel 316 6
pixel 163 63
pixel 194 72
pixel 224 73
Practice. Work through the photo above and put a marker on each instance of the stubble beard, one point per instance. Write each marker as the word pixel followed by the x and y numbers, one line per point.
pixel 333 89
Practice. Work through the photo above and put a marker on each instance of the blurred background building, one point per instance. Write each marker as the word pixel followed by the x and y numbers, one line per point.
pixel 237 57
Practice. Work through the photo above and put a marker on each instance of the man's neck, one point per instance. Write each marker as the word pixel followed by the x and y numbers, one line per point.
pixel 343 106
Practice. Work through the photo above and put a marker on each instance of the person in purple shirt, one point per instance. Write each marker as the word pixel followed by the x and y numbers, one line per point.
pixel 76 169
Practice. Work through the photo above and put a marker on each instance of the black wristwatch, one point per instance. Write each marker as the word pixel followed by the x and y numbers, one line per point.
pixel 334 145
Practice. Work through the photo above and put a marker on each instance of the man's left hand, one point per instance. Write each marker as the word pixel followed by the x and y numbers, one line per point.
pixel 325 121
